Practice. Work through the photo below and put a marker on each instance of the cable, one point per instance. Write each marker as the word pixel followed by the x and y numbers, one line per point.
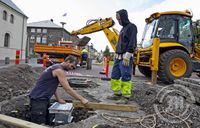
pixel 91 20
pixel 129 120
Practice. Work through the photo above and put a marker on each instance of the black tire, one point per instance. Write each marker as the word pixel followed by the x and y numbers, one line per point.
pixel 146 71
pixel 164 73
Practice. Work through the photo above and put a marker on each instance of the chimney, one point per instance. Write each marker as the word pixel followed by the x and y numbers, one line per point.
pixel 51 20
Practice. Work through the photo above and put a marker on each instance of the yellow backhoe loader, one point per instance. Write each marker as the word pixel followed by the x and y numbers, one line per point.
pixel 170 45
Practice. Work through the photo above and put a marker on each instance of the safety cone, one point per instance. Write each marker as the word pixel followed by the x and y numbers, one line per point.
pixel 104 63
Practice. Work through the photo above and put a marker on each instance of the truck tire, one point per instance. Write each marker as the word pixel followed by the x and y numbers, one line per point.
pixel 174 64
pixel 146 71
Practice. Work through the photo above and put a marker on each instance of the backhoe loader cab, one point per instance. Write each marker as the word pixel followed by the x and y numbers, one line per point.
pixel 168 27
pixel 168 46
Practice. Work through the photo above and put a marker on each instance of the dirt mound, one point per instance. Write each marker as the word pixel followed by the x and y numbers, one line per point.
pixel 16 80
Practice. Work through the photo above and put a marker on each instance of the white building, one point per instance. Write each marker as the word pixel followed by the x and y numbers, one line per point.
pixel 13 28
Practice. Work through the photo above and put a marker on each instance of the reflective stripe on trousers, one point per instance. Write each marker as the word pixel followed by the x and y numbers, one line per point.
pixel 116 86
pixel 126 88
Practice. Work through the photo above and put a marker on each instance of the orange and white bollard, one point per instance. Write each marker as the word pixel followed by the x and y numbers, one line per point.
pixel 44 60
pixel 17 61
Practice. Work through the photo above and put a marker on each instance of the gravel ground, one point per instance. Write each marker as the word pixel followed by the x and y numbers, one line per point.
pixel 146 96
pixel 16 82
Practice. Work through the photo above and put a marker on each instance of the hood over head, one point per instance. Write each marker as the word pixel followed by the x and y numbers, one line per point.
pixel 123 16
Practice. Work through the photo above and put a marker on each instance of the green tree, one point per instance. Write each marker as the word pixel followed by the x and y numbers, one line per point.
pixel 106 51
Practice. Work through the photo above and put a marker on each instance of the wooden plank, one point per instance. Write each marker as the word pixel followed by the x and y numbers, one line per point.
pixel 107 106
pixel 19 123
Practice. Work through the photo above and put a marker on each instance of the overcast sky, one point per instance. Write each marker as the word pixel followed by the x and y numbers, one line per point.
pixel 79 11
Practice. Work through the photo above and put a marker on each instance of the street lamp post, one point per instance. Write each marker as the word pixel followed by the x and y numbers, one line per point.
pixel 63 23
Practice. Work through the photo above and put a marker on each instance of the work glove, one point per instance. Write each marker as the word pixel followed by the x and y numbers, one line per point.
pixel 126 58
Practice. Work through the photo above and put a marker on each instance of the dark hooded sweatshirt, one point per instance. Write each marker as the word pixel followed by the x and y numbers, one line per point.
pixel 127 41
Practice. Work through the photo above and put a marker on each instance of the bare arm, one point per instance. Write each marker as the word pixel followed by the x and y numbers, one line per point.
pixel 60 100
pixel 61 77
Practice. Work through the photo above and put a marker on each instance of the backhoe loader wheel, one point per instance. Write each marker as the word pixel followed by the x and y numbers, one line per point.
pixel 174 64
pixel 146 71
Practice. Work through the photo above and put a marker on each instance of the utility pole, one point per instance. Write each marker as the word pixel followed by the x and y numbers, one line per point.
pixel 63 23
pixel 27 53
pixel 89 61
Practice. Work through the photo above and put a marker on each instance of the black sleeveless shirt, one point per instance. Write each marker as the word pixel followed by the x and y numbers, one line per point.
pixel 46 85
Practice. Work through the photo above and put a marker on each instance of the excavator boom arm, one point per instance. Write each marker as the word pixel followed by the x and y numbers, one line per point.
pixel 100 25
pixel 94 26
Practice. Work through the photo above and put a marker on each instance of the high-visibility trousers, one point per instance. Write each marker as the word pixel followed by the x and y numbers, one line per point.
pixel 121 78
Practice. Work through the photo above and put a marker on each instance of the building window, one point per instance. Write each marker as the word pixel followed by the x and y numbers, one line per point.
pixel 32 39
pixel 38 39
pixel 12 18
pixel 44 39
pixel 32 29
pixel 6 40
pixel 39 30
pixel 44 31
pixel 4 15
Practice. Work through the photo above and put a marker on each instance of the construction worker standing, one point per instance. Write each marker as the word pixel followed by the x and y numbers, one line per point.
pixel 84 56
pixel 121 83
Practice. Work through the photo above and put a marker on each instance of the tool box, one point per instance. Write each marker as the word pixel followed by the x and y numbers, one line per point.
pixel 63 112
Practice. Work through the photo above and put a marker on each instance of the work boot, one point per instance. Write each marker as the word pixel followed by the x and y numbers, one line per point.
pixel 114 97
pixel 123 100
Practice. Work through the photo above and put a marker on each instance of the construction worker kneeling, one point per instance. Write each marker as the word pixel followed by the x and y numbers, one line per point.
pixel 121 83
